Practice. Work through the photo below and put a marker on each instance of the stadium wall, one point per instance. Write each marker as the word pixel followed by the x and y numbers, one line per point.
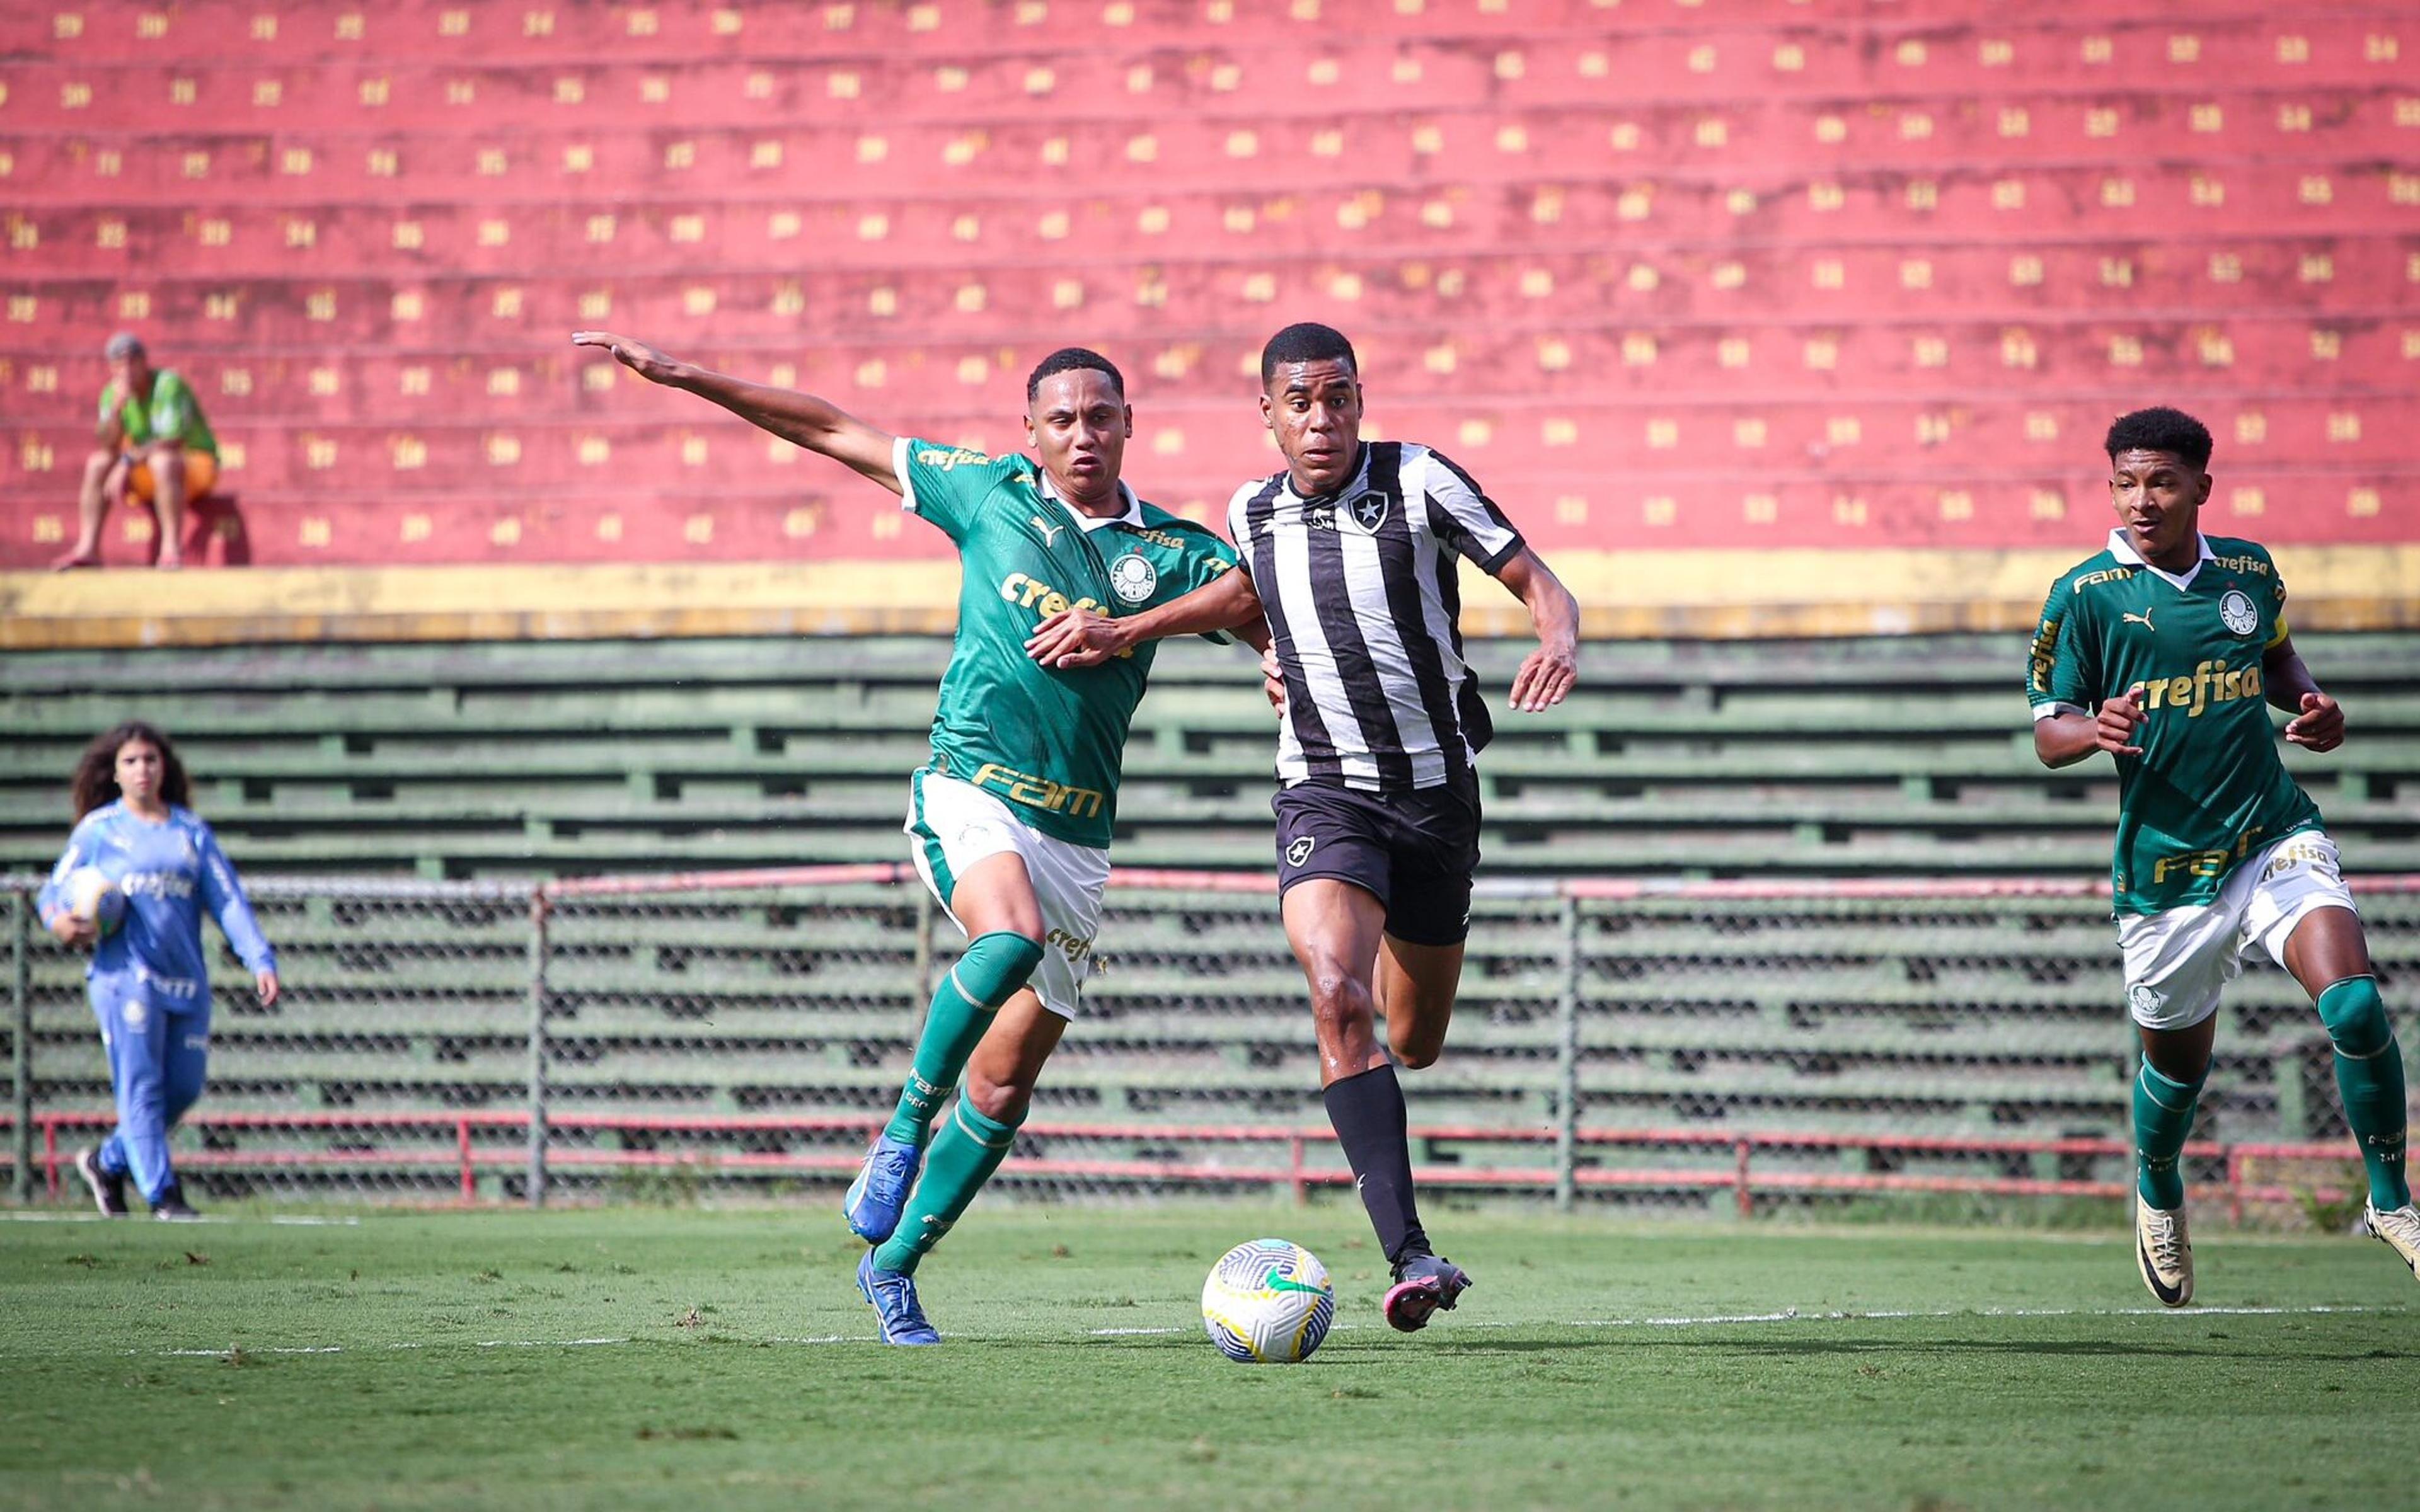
pixel 1762 319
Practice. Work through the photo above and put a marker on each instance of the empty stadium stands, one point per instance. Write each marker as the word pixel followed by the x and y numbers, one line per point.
pixel 1843 274
pixel 1882 756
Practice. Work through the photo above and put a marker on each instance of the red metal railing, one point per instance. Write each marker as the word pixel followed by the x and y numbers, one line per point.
pixel 1271 1155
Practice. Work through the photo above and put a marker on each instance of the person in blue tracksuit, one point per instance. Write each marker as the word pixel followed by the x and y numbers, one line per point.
pixel 148 980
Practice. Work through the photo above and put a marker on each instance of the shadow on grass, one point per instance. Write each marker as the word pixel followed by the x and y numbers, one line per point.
pixel 1786 1347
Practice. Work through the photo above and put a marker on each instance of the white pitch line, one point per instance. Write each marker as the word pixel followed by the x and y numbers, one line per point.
pixel 274 1349
pixel 1790 1315
pixel 221 1219
pixel 1793 1315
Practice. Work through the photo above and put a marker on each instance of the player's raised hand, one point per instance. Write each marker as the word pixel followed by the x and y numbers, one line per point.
pixel 1273 680
pixel 1075 638
pixel 637 356
pixel 2113 728
pixel 1546 679
pixel 2319 726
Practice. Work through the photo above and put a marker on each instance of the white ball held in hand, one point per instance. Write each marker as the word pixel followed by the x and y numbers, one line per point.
pixel 92 895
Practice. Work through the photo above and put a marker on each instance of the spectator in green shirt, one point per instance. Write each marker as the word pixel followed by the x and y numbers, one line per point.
pixel 154 445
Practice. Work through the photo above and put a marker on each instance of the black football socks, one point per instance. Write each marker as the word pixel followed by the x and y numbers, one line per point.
pixel 1368 1113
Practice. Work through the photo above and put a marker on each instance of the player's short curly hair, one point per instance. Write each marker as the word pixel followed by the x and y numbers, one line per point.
pixel 1072 359
pixel 1305 341
pixel 2162 430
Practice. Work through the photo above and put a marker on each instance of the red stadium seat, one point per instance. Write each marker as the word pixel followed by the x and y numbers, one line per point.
pixel 1658 273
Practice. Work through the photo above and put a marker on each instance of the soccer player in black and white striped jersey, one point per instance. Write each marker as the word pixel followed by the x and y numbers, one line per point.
pixel 1352 553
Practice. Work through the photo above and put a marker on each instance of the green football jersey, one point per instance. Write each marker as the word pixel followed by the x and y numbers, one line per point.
pixel 2208 789
pixel 172 414
pixel 1049 741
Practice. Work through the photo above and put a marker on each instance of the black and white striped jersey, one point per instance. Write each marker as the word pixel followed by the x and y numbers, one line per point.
pixel 1364 604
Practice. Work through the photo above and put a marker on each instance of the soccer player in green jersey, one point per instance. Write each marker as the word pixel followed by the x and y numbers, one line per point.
pixel 1010 821
pixel 2166 650
pixel 154 445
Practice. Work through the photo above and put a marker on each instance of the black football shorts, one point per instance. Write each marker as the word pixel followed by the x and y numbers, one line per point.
pixel 1414 852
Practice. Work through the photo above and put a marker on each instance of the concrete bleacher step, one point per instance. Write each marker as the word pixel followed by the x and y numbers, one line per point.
pixel 1510 216
pixel 1685 759
pixel 1868 506
pixel 1584 433
pixel 1675 293
pixel 924 56
pixel 1701 668
pixel 1811 809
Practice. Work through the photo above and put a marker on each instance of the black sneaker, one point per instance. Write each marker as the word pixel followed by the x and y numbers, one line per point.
pixel 1423 1284
pixel 108 1192
pixel 172 1207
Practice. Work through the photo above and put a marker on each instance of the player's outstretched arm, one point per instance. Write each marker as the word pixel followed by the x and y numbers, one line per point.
pixel 799 418
pixel 2318 723
pixel 1079 638
pixel 1548 673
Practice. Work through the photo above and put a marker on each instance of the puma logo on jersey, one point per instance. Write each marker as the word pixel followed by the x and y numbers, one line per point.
pixel 1049 533
pixel 2143 619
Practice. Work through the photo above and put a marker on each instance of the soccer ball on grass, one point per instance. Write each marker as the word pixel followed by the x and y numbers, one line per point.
pixel 1268 1302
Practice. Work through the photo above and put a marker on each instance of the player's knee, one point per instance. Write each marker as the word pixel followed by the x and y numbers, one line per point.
pixel 143 1102
pixel 1412 1054
pixel 1339 998
pixel 183 1092
pixel 1001 1101
pixel 99 462
pixel 2355 1016
pixel 997 963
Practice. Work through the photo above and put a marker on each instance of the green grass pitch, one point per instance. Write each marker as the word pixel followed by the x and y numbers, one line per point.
pixel 648 1358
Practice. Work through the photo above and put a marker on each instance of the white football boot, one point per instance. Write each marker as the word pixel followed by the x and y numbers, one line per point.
pixel 2398 1229
pixel 2163 1252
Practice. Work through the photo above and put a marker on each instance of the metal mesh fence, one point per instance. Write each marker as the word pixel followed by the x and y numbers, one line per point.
pixel 1686 1046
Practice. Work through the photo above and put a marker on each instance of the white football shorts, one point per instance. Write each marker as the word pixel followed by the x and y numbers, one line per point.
pixel 2177 960
pixel 954 825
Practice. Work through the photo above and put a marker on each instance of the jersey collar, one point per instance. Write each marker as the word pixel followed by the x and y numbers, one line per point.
pixel 2124 551
pixel 1132 519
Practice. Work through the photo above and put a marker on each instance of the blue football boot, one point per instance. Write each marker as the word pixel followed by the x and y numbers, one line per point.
pixel 880 1191
pixel 894 1299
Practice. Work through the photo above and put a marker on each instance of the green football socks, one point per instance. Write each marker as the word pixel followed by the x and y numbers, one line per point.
pixel 2369 1073
pixel 2164 1117
pixel 963 1155
pixel 995 966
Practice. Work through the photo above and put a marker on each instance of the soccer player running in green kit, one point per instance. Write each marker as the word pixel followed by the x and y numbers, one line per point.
pixel 2166 650
pixel 1010 821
